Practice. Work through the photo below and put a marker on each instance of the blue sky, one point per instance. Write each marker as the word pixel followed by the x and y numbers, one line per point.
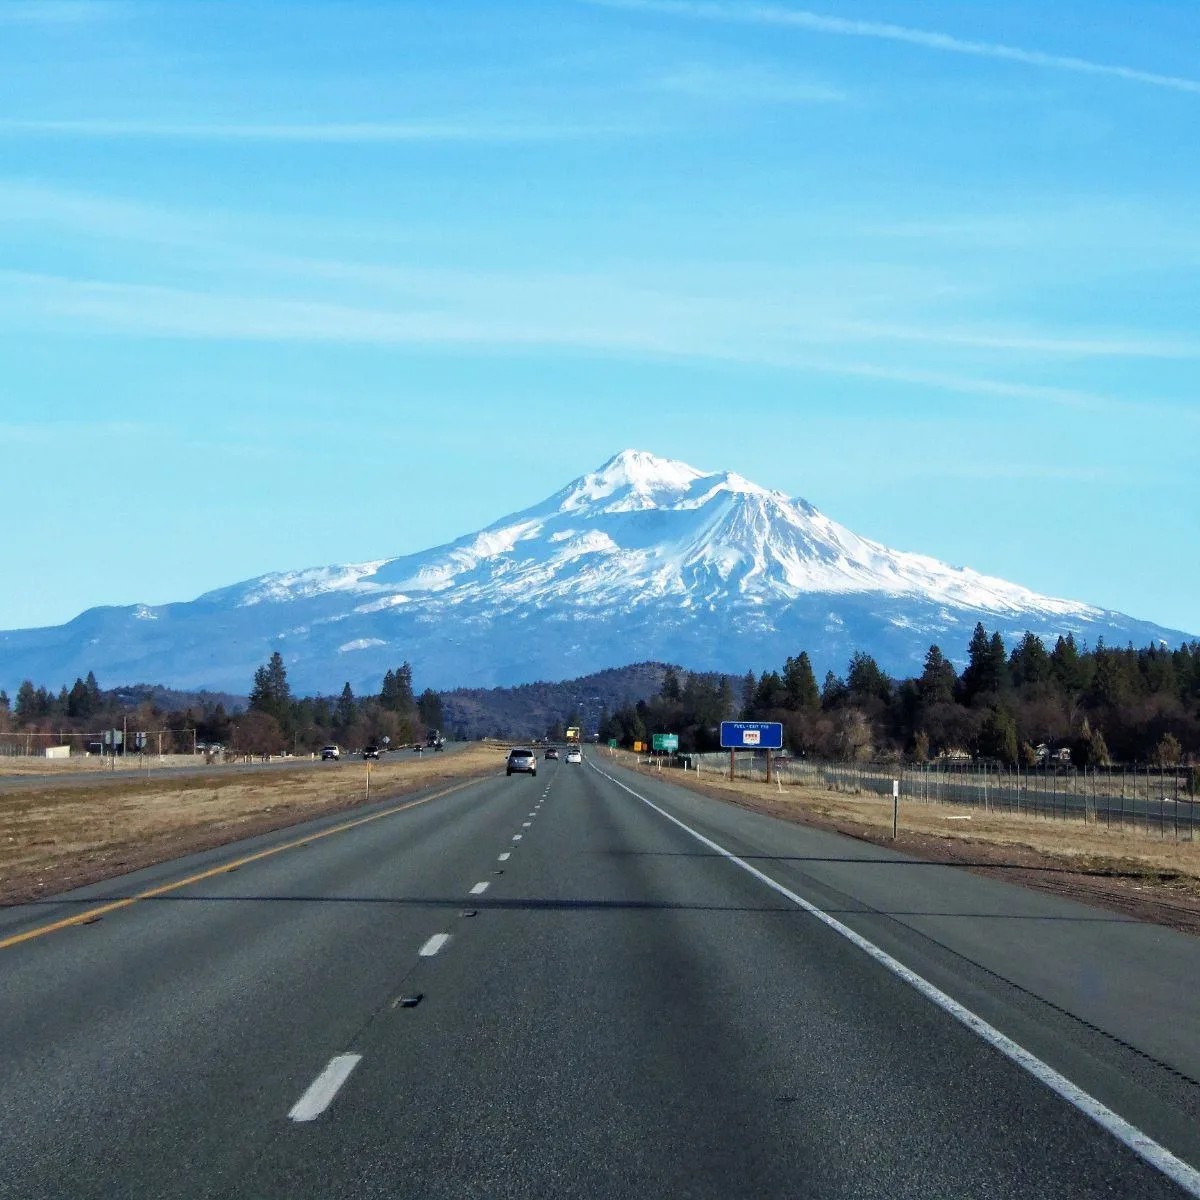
pixel 284 284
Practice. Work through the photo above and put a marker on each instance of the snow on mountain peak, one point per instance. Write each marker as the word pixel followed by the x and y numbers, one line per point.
pixel 630 480
pixel 642 526
pixel 643 557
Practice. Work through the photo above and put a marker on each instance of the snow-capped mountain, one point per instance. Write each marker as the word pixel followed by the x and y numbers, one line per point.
pixel 645 558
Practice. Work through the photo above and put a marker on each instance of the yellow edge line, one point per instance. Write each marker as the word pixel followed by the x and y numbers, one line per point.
pixel 92 914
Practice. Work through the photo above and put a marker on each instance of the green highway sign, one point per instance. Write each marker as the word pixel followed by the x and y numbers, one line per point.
pixel 612 743
pixel 665 741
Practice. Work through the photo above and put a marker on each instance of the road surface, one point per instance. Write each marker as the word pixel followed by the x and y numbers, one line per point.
pixel 565 986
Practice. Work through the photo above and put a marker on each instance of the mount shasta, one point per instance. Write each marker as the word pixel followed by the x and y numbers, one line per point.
pixel 645 558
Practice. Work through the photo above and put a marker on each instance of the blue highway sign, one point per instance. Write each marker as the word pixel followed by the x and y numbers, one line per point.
pixel 751 735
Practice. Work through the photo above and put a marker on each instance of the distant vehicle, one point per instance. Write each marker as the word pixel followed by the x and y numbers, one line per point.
pixel 552 752
pixel 573 734
pixel 418 748
pixel 574 755
pixel 522 760
pixel 328 752
pixel 371 752
pixel 435 741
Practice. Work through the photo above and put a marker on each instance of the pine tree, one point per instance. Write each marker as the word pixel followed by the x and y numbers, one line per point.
pixel 271 693
pixel 998 737
pixel 1065 666
pixel 749 688
pixel 866 681
pixel 429 707
pixel 404 688
pixel 79 701
pixel 800 684
pixel 770 694
pixel 27 705
pixel 833 691
pixel 986 667
pixel 347 708
pixel 1029 663
pixel 725 698
pixel 670 685
pixel 938 678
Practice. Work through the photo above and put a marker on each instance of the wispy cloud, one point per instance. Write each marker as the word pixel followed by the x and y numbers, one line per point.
pixel 778 15
pixel 354 132
pixel 746 85
pixel 835 309
pixel 489 313
pixel 1116 345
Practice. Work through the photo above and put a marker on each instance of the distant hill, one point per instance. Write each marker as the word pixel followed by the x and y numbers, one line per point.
pixel 529 710
pixel 167 699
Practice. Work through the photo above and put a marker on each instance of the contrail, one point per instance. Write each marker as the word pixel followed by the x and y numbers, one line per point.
pixel 774 14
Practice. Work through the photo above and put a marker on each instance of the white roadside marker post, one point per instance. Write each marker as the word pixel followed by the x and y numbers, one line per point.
pixel 895 806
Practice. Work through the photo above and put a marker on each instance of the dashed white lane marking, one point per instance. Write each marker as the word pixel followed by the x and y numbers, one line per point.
pixel 517 837
pixel 526 824
pixel 505 856
pixel 322 1090
pixel 1148 1150
pixel 480 888
pixel 434 944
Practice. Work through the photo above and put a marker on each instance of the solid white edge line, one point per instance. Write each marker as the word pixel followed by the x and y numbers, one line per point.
pixel 479 889
pixel 434 944
pixel 1144 1146
pixel 320 1093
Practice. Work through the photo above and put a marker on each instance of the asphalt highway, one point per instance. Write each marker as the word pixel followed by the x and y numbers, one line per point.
pixel 588 983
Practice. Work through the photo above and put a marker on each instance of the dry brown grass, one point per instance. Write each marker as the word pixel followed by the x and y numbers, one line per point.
pixel 23 766
pixel 58 836
pixel 1089 847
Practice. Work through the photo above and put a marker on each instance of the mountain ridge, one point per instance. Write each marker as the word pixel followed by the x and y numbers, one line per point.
pixel 643 558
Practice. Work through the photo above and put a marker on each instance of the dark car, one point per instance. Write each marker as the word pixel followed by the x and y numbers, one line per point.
pixel 371 752
pixel 552 752
pixel 524 761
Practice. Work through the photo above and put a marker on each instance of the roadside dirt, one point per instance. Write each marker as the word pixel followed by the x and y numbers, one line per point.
pixel 1147 878
pixel 54 839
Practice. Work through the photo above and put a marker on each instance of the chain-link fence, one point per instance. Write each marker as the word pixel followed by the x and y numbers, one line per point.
pixel 1161 801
